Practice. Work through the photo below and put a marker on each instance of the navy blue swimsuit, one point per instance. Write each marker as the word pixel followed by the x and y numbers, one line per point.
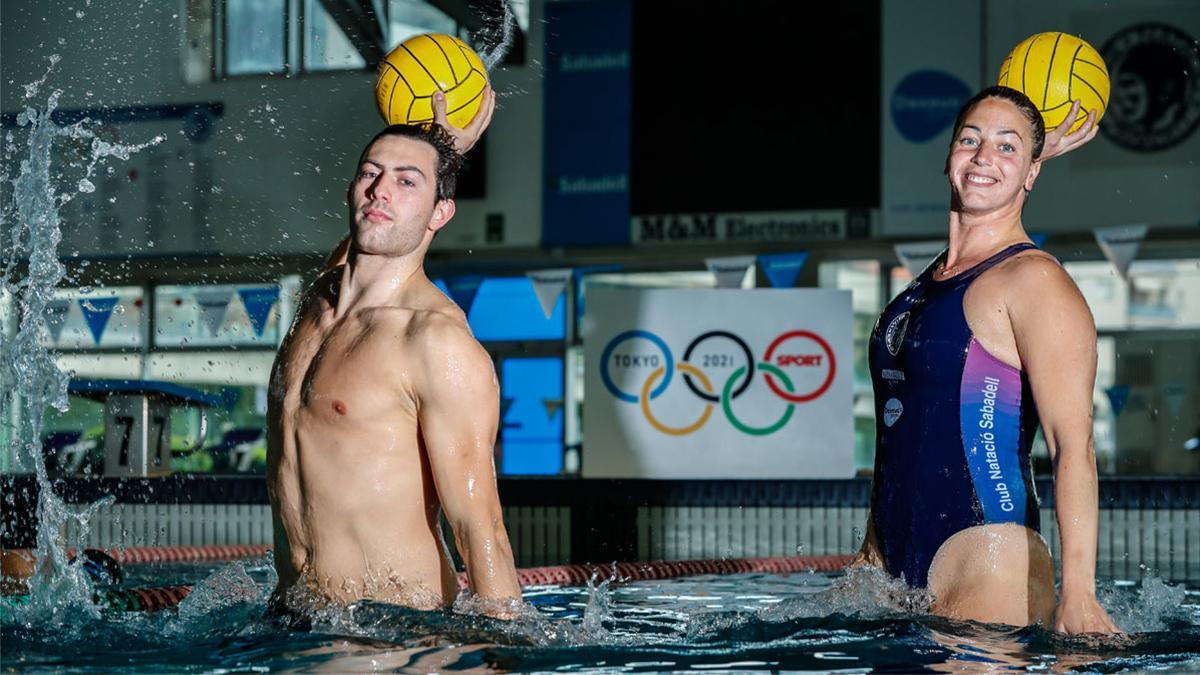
pixel 954 426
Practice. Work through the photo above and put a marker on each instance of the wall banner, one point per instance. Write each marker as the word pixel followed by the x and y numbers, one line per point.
pixel 724 383
pixel 751 227
pixel 585 199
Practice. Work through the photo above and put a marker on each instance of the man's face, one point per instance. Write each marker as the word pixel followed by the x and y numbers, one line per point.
pixel 393 198
pixel 991 160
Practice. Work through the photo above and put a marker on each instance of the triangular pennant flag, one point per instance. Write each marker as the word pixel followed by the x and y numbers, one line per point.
pixel 441 284
pixel 552 406
pixel 258 303
pixel 730 271
pixel 916 255
pixel 56 316
pixel 506 403
pixel 1173 395
pixel 782 269
pixel 463 290
pixel 213 305
pixel 1038 239
pixel 1118 395
pixel 97 311
pixel 548 285
pixel 1120 244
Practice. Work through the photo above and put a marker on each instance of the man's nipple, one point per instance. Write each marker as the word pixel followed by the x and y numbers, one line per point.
pixel 339 407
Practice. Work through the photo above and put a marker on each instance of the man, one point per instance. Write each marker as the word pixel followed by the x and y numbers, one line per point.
pixel 383 407
pixel 991 338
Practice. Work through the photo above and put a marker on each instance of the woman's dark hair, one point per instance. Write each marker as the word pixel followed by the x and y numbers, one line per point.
pixel 1027 108
pixel 449 161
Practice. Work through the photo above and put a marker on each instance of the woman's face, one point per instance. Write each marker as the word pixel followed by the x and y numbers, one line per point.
pixel 991 160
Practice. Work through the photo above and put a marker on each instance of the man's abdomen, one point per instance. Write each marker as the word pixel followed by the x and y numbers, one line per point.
pixel 366 524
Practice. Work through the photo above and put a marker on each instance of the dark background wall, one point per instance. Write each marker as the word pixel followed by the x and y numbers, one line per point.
pixel 755 105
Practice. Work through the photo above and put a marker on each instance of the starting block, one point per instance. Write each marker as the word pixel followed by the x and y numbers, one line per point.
pixel 137 422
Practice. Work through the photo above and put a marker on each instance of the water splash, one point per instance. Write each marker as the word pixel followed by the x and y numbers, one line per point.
pixel 30 379
pixel 1156 606
pixel 598 609
pixel 495 38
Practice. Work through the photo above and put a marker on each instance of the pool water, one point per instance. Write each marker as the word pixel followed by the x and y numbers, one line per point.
pixel 862 622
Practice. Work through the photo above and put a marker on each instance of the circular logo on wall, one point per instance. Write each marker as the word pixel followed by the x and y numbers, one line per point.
pixel 925 103
pixel 1155 72
pixel 893 337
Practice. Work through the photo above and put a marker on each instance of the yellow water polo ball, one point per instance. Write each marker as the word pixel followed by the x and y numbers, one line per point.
pixel 1054 69
pixel 423 64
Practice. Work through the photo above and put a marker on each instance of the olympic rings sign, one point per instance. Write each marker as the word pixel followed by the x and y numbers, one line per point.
pixel 662 370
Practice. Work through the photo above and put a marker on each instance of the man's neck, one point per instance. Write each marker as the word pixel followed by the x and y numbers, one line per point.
pixel 378 281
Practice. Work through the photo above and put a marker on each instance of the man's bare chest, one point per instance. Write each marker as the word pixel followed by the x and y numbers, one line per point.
pixel 341 374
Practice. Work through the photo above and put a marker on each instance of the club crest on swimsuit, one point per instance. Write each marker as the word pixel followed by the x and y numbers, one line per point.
pixel 892 410
pixel 894 336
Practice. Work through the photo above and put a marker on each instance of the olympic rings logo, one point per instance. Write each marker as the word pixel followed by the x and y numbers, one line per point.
pixel 663 368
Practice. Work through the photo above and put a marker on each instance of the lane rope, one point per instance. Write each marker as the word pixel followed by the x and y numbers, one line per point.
pixel 155 599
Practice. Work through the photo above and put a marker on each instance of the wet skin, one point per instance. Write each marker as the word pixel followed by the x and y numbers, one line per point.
pixel 1028 313
pixel 383 414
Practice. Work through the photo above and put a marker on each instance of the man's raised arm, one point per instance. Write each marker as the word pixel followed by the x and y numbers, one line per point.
pixel 458 411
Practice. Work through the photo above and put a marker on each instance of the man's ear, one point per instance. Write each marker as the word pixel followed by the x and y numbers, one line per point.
pixel 1034 170
pixel 443 211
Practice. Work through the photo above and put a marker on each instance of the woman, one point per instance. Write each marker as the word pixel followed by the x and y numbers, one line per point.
pixel 991 338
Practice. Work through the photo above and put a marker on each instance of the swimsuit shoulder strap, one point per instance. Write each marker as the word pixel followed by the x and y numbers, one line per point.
pixel 997 258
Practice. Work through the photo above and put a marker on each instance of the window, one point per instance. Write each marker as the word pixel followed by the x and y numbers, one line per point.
pixel 1158 293
pixel 255 32
pixel 407 18
pixel 288 37
pixel 87 319
pixel 210 315
pixel 326 47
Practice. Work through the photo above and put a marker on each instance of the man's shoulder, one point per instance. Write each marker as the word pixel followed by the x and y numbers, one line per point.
pixel 323 291
pixel 446 353
pixel 423 324
pixel 428 330
pixel 441 327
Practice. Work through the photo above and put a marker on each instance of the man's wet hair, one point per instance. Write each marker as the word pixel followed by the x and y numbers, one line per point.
pixel 1027 108
pixel 448 159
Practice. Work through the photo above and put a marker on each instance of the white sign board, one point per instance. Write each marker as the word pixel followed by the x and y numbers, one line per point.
pixel 931 66
pixel 729 383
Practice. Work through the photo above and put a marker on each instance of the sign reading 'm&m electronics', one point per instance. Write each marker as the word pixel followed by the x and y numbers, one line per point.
pixel 718 384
